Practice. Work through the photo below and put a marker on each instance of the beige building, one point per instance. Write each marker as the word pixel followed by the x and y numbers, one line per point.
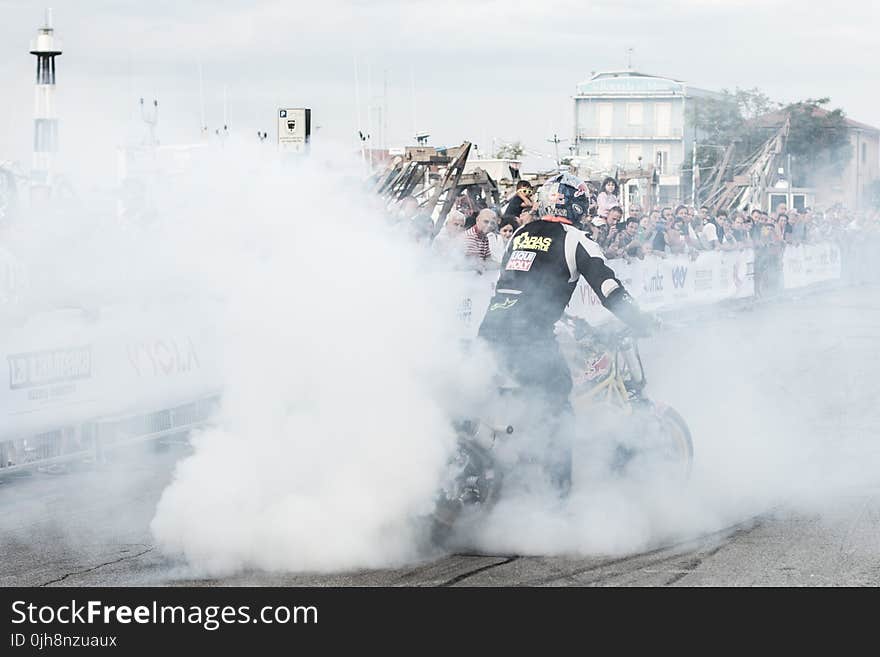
pixel 853 188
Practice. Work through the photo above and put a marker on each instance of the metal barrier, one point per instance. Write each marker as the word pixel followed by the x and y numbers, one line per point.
pixel 91 441
pixel 859 259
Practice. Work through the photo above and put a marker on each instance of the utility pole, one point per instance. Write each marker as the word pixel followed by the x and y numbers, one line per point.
pixel 370 100
pixel 224 133
pixel 412 79
pixel 384 142
pixel 150 118
pixel 203 126
pixel 357 104
pixel 225 108
pixel 556 141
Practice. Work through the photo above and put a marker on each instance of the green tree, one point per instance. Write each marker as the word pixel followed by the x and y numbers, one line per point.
pixel 511 151
pixel 752 103
pixel 720 122
pixel 818 140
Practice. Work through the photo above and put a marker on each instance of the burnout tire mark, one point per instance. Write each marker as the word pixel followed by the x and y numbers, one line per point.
pixel 459 578
pixel 726 534
pixel 93 568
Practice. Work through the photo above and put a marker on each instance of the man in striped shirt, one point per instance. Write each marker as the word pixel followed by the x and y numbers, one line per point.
pixel 476 238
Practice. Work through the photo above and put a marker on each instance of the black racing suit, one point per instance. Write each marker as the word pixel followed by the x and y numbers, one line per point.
pixel 539 272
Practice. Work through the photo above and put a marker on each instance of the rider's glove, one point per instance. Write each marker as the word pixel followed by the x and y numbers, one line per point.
pixel 654 323
pixel 644 327
pixel 581 329
pixel 626 309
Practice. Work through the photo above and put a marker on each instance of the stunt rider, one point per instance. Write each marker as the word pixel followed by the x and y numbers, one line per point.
pixel 539 272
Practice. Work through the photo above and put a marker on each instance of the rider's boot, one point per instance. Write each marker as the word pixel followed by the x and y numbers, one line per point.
pixel 560 475
pixel 559 463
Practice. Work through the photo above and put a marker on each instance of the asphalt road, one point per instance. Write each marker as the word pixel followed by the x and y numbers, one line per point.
pixel 812 359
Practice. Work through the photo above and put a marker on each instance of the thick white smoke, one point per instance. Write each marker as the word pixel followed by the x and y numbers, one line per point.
pixel 778 404
pixel 336 348
pixel 341 371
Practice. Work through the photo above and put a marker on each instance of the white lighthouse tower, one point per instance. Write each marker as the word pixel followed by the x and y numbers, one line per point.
pixel 46 48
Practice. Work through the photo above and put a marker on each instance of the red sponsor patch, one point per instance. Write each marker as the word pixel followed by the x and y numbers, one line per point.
pixel 598 366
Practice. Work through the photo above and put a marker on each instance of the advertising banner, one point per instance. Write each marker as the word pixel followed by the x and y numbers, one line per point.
pixel 69 366
pixel 805 264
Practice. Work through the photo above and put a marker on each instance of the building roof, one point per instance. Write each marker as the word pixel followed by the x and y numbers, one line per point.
pixel 777 118
pixel 634 83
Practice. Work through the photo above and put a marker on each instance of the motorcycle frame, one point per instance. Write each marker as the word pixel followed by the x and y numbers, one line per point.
pixel 614 389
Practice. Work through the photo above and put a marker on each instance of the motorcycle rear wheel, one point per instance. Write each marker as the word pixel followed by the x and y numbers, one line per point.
pixel 473 490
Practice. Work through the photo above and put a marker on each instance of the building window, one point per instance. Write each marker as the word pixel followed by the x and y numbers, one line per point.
pixel 864 152
pixel 668 194
pixel 632 194
pixel 634 114
pixel 605 112
pixel 605 155
pixel 775 200
pixel 661 161
pixel 663 119
pixel 633 153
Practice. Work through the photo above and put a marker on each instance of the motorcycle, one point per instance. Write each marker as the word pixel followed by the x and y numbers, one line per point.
pixel 608 382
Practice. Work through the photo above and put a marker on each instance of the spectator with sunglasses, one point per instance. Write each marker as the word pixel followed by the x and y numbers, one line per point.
pixel 520 201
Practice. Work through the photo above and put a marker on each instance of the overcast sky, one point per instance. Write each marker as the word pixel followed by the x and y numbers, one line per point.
pixel 482 70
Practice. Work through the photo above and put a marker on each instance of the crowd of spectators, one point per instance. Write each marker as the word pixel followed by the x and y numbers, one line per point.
pixel 479 232
pixel 689 230
pixel 474 234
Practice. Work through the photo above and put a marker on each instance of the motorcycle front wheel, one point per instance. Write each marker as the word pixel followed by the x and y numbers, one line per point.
pixel 680 444
pixel 659 443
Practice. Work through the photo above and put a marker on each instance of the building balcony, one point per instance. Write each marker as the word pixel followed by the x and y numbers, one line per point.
pixel 633 133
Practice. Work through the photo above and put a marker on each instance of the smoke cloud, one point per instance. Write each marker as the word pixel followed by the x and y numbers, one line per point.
pixel 341 370
pixel 336 344
pixel 777 403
